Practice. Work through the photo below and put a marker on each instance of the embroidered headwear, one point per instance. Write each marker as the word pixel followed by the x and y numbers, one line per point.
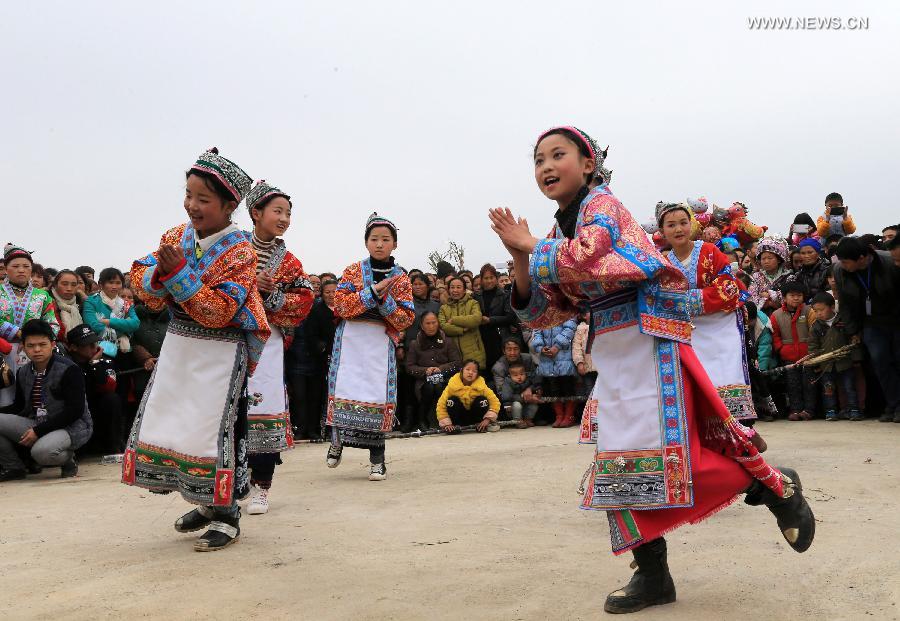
pixel 775 245
pixel 663 208
pixel 376 220
pixel 232 176
pixel 261 192
pixel 597 154
pixel 11 251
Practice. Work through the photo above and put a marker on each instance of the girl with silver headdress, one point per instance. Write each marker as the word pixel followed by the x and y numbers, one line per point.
pixel 668 452
pixel 375 303
pixel 287 297
pixel 190 431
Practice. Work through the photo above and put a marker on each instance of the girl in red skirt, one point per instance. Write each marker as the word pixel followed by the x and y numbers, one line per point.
pixel 668 450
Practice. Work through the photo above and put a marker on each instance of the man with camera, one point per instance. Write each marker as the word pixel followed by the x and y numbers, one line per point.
pixel 100 388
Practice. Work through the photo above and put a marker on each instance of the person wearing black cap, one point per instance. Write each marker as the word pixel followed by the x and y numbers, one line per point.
pixel 790 339
pixel 100 388
pixel 49 417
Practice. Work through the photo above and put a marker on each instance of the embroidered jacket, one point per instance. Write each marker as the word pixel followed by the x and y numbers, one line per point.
pixel 610 254
pixel 355 296
pixel 714 287
pixel 289 304
pixel 217 290
pixel 14 311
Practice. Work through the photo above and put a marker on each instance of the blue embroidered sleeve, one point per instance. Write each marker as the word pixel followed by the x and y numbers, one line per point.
pixel 183 284
pixel 233 290
pixel 537 305
pixel 695 302
pixel 368 298
pixel 388 306
pixel 147 282
pixel 542 266
pixel 8 331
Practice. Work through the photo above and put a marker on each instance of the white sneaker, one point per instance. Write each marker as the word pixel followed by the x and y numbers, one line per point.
pixel 493 427
pixel 259 502
pixel 378 472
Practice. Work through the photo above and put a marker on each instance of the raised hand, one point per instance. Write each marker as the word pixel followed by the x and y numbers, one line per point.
pixel 512 231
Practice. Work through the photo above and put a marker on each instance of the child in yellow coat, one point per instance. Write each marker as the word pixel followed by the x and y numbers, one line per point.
pixel 467 400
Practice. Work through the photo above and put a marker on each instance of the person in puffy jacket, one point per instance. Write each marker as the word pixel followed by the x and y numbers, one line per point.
pixel 431 360
pixel 467 400
pixel 790 339
pixel 461 319
pixel 555 364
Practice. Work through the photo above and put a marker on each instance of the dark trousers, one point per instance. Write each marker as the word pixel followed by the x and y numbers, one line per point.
pixel 109 423
pixel 884 350
pixel 459 415
pixel 427 404
pixel 800 389
pixel 306 403
pixel 262 468
pixel 829 383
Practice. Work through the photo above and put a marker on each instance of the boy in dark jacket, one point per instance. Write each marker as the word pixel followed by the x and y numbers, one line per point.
pixel 519 394
pixel 828 334
pixel 49 418
pixel 790 340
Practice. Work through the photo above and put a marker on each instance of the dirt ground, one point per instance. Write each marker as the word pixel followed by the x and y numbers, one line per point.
pixel 479 526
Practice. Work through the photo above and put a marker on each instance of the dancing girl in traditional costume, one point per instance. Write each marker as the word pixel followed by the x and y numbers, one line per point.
pixel 715 304
pixel 190 432
pixel 288 297
pixel 374 300
pixel 668 451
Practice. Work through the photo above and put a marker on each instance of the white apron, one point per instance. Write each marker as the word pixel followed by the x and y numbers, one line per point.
pixel 268 415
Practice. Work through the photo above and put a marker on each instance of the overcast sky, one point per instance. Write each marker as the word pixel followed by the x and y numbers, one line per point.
pixel 427 112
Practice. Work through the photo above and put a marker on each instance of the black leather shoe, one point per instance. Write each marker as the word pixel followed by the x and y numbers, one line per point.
pixel 222 533
pixel 201 517
pixel 792 513
pixel 651 584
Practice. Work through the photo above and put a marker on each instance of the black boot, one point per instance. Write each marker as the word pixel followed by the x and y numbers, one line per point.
pixel 223 531
pixel 201 517
pixel 793 514
pixel 650 585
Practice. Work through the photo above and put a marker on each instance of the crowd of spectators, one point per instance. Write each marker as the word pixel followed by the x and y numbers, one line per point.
pixel 818 290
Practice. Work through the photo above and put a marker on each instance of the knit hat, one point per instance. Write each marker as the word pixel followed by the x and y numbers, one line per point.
pixel 376 220
pixel 597 154
pixel 664 208
pixel 11 251
pixel 261 192
pixel 775 245
pixel 813 243
pixel 232 176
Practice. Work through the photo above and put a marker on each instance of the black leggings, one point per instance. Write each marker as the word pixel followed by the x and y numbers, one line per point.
pixel 262 468
pixel 459 415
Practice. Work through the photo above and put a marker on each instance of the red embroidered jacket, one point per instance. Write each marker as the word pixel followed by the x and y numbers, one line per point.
pixel 355 296
pixel 218 290
pixel 714 287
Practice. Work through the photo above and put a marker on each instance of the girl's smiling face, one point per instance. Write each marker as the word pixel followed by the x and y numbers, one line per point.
pixel 206 210
pixel 273 219
pixel 560 169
